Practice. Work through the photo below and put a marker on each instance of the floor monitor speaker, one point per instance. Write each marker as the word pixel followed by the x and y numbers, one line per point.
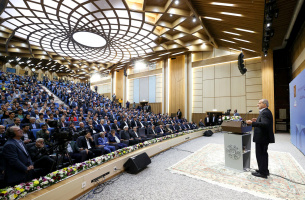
pixel 137 163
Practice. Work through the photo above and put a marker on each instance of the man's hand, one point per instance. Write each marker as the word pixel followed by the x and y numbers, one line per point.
pixel 29 168
pixel 249 122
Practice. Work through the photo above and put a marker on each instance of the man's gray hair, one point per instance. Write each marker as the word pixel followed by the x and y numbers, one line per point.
pixel 32 118
pixel 39 139
pixel 265 101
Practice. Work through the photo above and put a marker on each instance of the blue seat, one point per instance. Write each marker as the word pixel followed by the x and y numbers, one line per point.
pixel 35 131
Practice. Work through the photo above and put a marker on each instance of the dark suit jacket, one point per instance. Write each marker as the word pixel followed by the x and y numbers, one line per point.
pixel 151 132
pixel 179 114
pixel 263 131
pixel 122 124
pixel 206 121
pixel 84 143
pixel 201 124
pixel 99 128
pixel 124 135
pixel 17 161
pixel 115 127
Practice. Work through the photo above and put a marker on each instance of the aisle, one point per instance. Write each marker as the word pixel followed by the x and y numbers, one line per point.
pixel 56 99
pixel 157 182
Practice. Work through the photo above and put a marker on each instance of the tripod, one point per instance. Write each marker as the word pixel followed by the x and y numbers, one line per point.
pixel 60 155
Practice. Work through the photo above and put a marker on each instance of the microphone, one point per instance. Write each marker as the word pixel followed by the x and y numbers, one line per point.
pixel 246 116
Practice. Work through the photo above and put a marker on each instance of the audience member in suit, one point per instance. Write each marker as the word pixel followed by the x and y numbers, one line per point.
pixel 103 141
pixel 187 126
pixel 207 120
pixel 114 138
pixel 179 114
pixel 40 119
pixel 63 123
pixel 9 120
pixel 146 123
pixel 201 124
pixel 82 129
pixel 219 122
pixel 100 127
pixel 194 125
pixel 33 124
pixel 79 154
pixel 115 126
pixel 95 121
pixel 88 144
pixel 214 120
pixel 236 113
pixel 123 123
pixel 152 133
pixel 108 127
pixel 39 156
pixel 135 135
pixel 45 134
pixel 178 127
pixel 168 130
pixel 28 135
pixel 124 134
pixel 3 137
pixel 161 131
pixel 19 166
pixel 263 135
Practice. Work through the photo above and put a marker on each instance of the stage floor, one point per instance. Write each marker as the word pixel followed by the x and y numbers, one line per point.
pixel 157 182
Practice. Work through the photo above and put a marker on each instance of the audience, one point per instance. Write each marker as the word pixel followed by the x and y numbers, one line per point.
pixel 27 109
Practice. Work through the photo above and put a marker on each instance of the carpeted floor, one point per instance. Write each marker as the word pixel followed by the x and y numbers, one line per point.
pixel 157 182
pixel 208 164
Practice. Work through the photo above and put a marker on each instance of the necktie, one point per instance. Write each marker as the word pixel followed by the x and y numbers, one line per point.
pixel 34 126
pixel 136 134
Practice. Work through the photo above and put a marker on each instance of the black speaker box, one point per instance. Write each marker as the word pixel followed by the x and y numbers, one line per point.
pixel 208 133
pixel 137 163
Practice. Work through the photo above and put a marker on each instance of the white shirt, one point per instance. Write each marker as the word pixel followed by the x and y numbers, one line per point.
pixel 136 134
pixel 88 143
pixel 117 139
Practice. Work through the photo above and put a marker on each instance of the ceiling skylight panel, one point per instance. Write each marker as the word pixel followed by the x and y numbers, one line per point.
pixel 109 13
pixel 90 7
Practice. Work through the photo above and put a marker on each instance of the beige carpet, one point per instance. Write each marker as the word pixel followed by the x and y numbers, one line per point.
pixel 208 164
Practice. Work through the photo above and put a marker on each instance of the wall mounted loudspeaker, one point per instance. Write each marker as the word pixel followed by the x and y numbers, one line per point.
pixel 137 163
pixel 241 65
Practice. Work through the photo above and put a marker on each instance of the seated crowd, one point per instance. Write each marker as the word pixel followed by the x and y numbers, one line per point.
pixel 30 120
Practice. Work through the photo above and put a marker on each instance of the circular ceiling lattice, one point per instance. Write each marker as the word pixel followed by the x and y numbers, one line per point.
pixel 51 25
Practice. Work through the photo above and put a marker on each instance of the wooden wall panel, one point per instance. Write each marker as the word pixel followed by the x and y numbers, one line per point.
pixel 177 84
pixel 119 84
pixel 156 107
pixel 268 82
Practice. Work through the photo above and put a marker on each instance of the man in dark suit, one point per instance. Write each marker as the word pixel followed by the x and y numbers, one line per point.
pixel 3 137
pixel 88 144
pixel 33 124
pixel 201 124
pixel 207 120
pixel 115 126
pixel 39 156
pixel 124 134
pixel 19 166
pixel 263 135
pixel 152 133
pixel 179 114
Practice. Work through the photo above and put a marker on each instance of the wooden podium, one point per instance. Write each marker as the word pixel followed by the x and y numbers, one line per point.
pixel 237 144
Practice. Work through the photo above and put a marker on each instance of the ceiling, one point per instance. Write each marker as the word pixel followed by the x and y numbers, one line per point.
pixel 41 32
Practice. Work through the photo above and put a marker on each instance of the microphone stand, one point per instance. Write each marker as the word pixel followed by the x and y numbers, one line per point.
pixel 244 121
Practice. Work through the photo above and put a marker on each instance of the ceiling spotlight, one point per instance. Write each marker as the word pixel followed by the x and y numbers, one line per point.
pixel 194 19
pixel 170 15
pixel 265 53
pixel 268 24
pixel 177 2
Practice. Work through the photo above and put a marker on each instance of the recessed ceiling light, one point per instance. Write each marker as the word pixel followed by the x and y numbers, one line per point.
pixel 232 14
pixel 245 30
pixel 177 2
pixel 242 40
pixel 227 41
pixel 213 18
pixel 231 33
pixel 222 4
pixel 89 39
pixel 170 15
pixel 194 19
pixel 247 49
